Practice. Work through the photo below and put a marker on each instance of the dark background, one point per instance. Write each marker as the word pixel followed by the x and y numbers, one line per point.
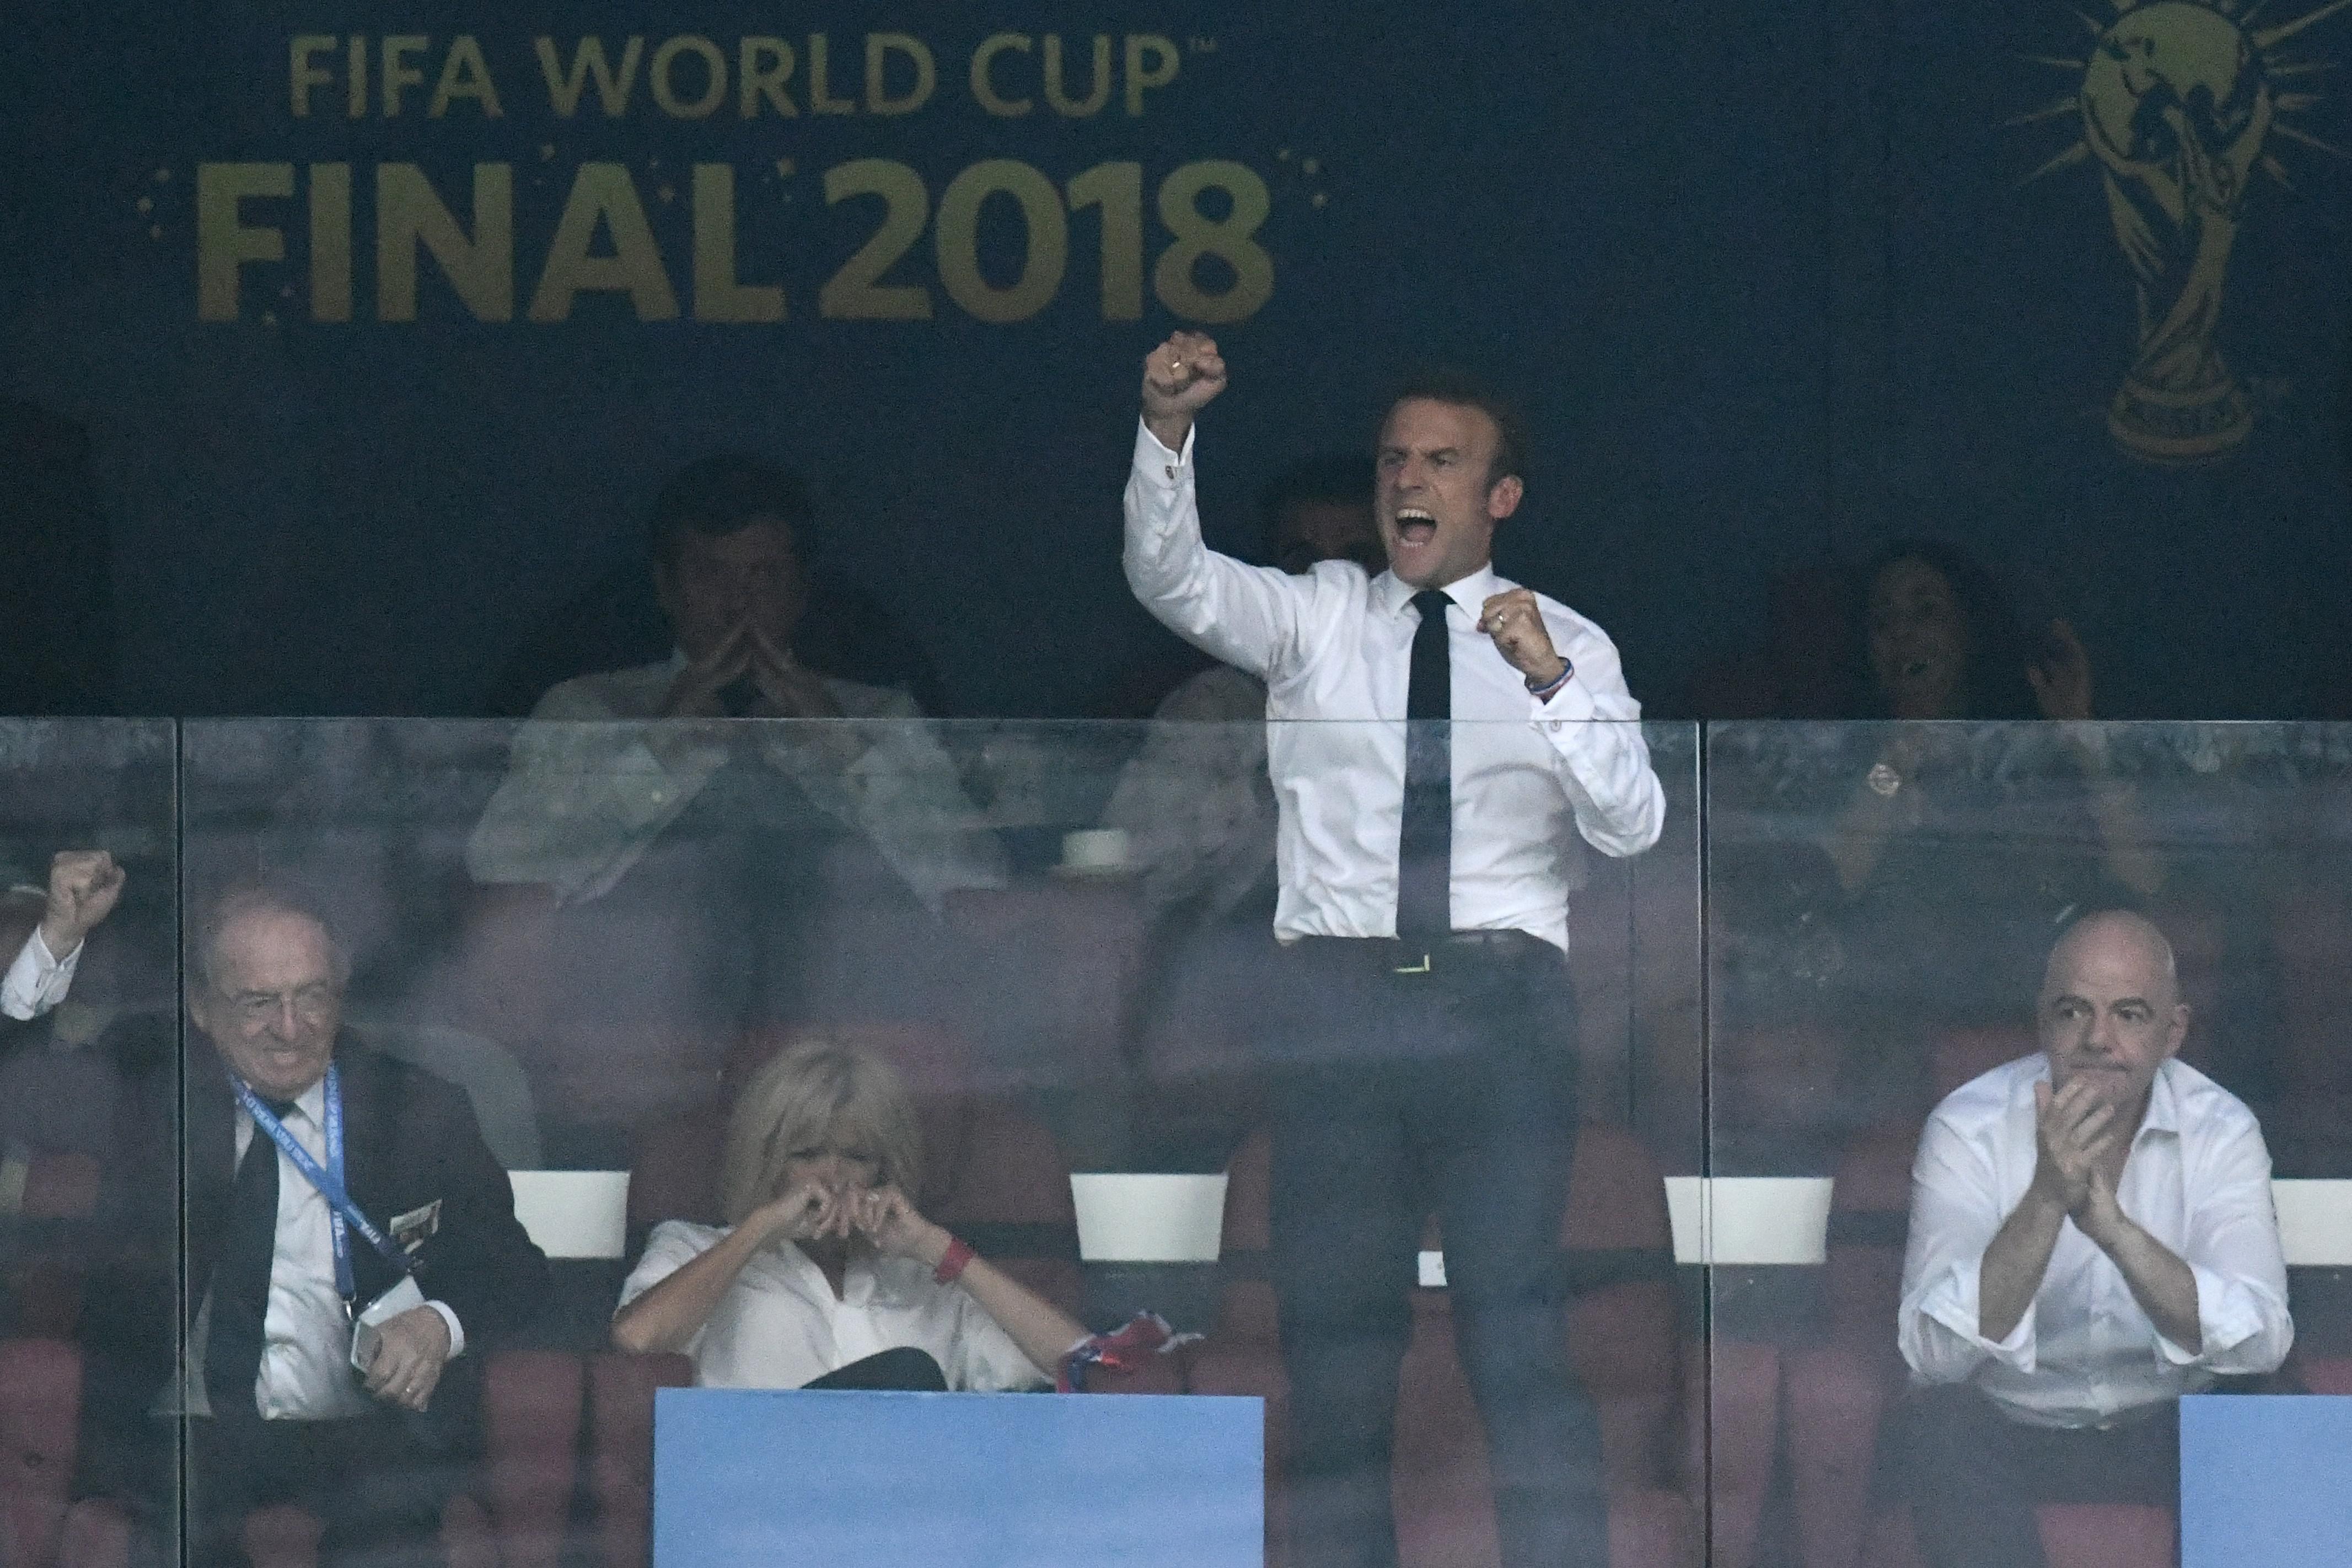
pixel 1764 277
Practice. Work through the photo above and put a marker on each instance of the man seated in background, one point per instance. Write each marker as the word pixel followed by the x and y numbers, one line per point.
pixel 371 1433
pixel 2092 1237
pixel 693 869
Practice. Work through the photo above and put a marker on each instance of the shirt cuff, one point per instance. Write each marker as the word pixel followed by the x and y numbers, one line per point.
pixel 1570 704
pixel 1157 463
pixel 37 981
pixel 2225 1319
pixel 1954 1306
pixel 457 1329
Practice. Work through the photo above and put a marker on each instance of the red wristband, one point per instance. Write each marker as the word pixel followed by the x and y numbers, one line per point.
pixel 953 1262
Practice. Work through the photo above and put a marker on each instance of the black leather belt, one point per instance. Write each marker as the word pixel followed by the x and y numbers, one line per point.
pixel 1432 955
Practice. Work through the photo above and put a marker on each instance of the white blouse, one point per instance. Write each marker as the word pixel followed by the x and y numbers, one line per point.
pixel 781 1326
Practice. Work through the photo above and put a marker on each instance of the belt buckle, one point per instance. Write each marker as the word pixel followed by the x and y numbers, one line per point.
pixel 1421 968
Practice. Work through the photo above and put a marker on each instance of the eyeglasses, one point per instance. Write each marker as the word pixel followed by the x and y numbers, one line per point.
pixel 311 1004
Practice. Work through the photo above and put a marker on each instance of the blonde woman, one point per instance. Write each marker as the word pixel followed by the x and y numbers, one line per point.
pixel 825 1275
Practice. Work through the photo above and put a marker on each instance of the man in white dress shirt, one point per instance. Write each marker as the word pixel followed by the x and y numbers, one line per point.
pixel 2092 1237
pixel 693 874
pixel 1426 1048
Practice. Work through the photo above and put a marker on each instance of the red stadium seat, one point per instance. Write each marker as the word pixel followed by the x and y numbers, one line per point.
pixel 2106 1535
pixel 1739 1388
pixel 531 1404
pixel 2311 937
pixel 44 1280
pixel 1056 970
pixel 1837 1391
pixel 2327 1374
pixel 40 1426
pixel 620 1450
pixel 1836 1396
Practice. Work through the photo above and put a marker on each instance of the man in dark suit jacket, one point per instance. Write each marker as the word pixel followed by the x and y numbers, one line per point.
pixel 277 1410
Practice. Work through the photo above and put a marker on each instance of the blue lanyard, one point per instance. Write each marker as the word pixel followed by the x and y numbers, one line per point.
pixel 342 1214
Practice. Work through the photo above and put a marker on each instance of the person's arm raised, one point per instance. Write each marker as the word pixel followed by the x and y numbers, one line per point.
pixel 1247 616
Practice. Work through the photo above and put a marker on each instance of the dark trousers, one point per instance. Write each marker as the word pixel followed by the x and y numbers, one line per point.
pixel 1452 1090
pixel 1973 1476
pixel 376 1484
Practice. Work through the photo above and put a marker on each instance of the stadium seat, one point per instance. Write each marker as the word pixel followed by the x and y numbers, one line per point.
pixel 620 1450
pixel 41 1427
pixel 45 1246
pixel 1054 969
pixel 531 1406
pixel 1739 1386
pixel 2106 1535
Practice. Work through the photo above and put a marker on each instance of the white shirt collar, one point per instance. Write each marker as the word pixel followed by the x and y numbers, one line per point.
pixel 1470 593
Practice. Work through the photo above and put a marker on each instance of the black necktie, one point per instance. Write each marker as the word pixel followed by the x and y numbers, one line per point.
pixel 1425 847
pixel 241 1276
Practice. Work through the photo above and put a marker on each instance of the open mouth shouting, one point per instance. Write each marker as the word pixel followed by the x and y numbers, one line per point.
pixel 1414 540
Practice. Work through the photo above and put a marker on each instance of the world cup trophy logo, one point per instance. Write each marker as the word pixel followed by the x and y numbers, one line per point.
pixel 2177 100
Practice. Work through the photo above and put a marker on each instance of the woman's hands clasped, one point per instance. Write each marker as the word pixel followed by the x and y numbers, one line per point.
pixel 884 1216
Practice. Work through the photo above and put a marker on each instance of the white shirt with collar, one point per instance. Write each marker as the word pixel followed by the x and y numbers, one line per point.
pixel 781 1326
pixel 2085 1353
pixel 306 1345
pixel 1335 646
pixel 586 795
pixel 37 982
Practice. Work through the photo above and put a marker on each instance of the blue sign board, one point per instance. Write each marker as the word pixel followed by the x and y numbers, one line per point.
pixel 956 1481
pixel 2262 1481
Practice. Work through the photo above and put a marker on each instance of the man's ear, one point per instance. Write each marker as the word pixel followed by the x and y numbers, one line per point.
pixel 2179 1029
pixel 1503 497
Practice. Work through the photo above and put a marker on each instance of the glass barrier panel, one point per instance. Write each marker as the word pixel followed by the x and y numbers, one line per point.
pixel 666 980
pixel 89 1218
pixel 1971 1305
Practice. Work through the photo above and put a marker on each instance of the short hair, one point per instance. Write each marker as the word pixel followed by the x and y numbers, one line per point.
pixel 1460 389
pixel 798 1098
pixel 2131 919
pixel 216 910
pixel 722 494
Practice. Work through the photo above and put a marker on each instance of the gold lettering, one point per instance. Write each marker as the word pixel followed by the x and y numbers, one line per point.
pixel 409 215
pixel 564 84
pixel 397 72
pixel 602 191
pixel 1140 76
pixel 301 75
pixel 1097 96
pixel 764 67
pixel 984 85
pixel 464 74
pixel 880 48
pixel 718 296
pixel 331 242
pixel 225 243
pixel 821 98
pixel 714 77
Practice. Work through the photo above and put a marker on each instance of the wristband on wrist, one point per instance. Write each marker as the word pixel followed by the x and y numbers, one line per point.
pixel 953 1262
pixel 1546 692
